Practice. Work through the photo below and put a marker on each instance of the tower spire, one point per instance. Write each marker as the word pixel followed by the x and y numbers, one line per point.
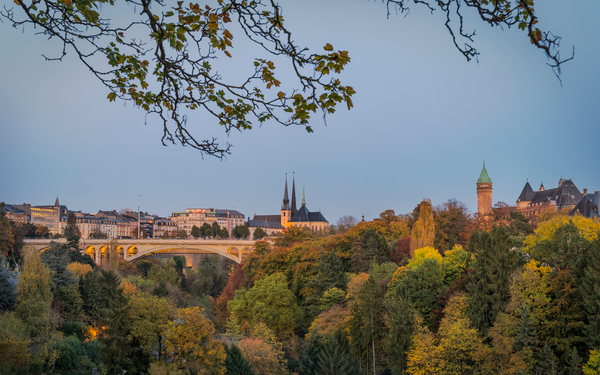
pixel 303 200
pixel 286 200
pixel 294 192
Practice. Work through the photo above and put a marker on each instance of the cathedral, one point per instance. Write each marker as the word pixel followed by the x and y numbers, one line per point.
pixel 291 216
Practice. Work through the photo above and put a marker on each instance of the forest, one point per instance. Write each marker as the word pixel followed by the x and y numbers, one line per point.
pixel 434 291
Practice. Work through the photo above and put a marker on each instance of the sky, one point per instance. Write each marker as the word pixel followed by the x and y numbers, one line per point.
pixel 424 121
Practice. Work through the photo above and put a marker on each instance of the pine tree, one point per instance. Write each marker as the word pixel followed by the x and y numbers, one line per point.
pixel 590 288
pixel 525 337
pixel 489 286
pixel 161 290
pixel 72 232
pixel 119 352
pixel 309 359
pixel 371 247
pixel 336 357
pixel 366 322
pixel 235 363
pixel 91 293
pixel 57 259
pixel 575 364
pixel 400 323
pixel 547 362
pixel 8 286
pixel 109 283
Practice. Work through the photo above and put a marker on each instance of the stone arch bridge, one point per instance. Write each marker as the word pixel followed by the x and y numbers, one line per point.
pixel 134 249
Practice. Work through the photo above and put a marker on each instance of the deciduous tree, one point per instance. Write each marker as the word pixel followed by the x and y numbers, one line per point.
pixel 423 229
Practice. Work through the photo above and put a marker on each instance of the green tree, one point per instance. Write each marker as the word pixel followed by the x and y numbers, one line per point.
pixel 57 259
pixel 120 352
pixel 33 293
pixel 400 323
pixel 240 231
pixel 224 233
pixel 235 363
pixel 215 229
pixel 258 234
pixel 366 324
pixel 204 228
pixel 109 283
pixel 489 287
pixel 91 293
pixel 452 224
pixel 423 229
pixel 182 234
pixel 7 238
pixel 72 232
pixel 547 362
pixel 370 247
pixel 336 357
pixel 270 302
pixel 211 278
pixel 309 359
pixel 71 302
pixel 590 283
pixel 8 285
pixel 195 232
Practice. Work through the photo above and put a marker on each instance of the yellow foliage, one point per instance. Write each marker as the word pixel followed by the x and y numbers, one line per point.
pixel 422 254
pixel 163 368
pixel 262 357
pixel 330 321
pixel 396 278
pixel 354 286
pixel 588 228
pixel 188 340
pixel 128 288
pixel 91 334
pixel 423 356
pixel 79 269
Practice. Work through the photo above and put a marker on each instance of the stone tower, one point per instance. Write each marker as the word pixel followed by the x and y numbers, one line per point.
pixel 484 192
pixel 286 211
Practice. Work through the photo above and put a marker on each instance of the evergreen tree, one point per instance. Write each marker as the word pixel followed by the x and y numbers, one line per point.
pixel 91 293
pixel 590 288
pixel 336 358
pixel 8 286
pixel 575 364
pixel 489 286
pixel 72 232
pixel 161 290
pixel 235 363
pixel 180 263
pixel 211 278
pixel 195 232
pixel 57 259
pixel 369 248
pixel 547 362
pixel 109 283
pixel 366 323
pixel 400 323
pixel 309 359
pixel 71 302
pixel 525 337
pixel 119 352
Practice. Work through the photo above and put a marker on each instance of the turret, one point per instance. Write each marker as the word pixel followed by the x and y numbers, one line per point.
pixel 484 192
pixel 286 213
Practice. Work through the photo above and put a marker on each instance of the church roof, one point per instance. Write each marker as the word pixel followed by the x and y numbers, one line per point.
pixel 304 214
pixel 527 194
pixel 588 206
pixel 264 224
pixel 263 218
pixel 484 178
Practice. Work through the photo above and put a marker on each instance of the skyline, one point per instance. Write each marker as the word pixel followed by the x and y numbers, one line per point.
pixel 423 122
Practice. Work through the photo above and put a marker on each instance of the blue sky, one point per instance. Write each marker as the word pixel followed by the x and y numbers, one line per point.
pixel 423 121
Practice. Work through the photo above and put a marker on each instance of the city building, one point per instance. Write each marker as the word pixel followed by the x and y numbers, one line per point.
pixel 588 206
pixel 564 196
pixel 484 192
pixel 191 217
pixel 16 214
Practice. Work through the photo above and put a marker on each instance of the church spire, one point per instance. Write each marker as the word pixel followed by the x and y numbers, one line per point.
pixel 286 200
pixel 294 192
pixel 56 204
pixel 303 201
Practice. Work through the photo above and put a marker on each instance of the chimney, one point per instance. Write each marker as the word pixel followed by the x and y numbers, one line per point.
pixel 584 192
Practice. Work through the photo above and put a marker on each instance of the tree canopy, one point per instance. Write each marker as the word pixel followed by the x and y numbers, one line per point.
pixel 162 57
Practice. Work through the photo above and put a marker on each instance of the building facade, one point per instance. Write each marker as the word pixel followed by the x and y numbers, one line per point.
pixel 565 196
